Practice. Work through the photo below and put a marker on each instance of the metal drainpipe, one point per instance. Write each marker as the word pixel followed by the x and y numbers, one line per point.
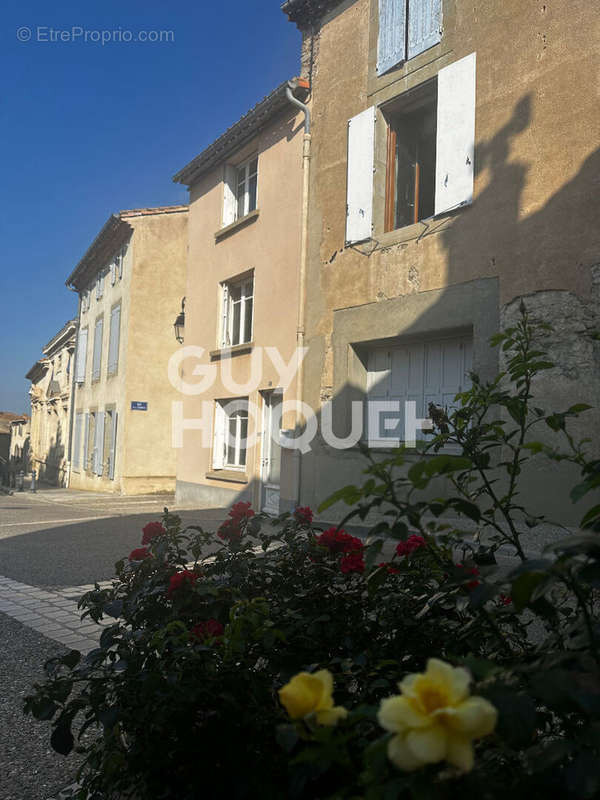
pixel 300 331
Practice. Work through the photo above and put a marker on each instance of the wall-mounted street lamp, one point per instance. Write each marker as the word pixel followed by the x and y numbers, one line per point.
pixel 179 323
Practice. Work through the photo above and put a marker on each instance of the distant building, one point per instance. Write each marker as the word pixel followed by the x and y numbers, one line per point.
pixel 20 455
pixel 50 394
pixel 130 282
pixel 242 297
pixel 6 418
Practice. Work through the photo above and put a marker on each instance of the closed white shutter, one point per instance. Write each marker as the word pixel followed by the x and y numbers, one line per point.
pixel 429 372
pixel 99 444
pixel 113 345
pixel 229 195
pixel 424 25
pixel 97 359
pixel 77 440
pixel 113 445
pixel 86 438
pixel 361 154
pixel 219 437
pixel 391 45
pixel 81 357
pixel 455 135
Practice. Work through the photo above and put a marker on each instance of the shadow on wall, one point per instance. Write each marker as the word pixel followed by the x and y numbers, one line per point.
pixel 53 470
pixel 495 254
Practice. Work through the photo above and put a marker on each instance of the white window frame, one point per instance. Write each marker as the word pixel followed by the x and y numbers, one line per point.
pixel 97 349
pixel 225 411
pixel 228 308
pixel 242 187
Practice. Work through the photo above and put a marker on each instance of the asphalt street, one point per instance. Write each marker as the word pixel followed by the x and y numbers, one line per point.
pixel 59 537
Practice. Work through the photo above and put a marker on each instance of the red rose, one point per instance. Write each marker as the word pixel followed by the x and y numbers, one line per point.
pixel 470 571
pixel 352 562
pixel 413 543
pixel 338 541
pixel 181 578
pixel 390 568
pixel 139 554
pixel 229 530
pixel 303 514
pixel 210 629
pixel 241 511
pixel 151 530
pixel 505 600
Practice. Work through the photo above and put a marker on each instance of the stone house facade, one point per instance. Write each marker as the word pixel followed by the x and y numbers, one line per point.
pixel 242 296
pixel 20 453
pixel 130 283
pixel 453 173
pixel 50 393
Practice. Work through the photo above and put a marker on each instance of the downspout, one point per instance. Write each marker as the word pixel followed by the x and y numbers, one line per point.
pixel 301 324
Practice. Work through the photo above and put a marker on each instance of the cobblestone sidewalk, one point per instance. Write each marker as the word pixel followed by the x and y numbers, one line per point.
pixel 52 613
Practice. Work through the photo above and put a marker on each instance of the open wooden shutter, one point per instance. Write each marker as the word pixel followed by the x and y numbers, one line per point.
pixel 81 355
pixel 424 25
pixel 113 445
pixel 113 345
pixel 361 155
pixel 219 437
pixel 99 444
pixel 391 45
pixel 229 196
pixel 455 135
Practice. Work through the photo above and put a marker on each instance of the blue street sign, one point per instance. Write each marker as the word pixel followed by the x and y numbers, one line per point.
pixel 137 405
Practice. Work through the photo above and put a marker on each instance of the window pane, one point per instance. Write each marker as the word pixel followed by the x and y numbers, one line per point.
pixel 252 195
pixel 235 323
pixel 232 427
pixel 243 437
pixel 248 320
pixel 253 167
pixel 241 200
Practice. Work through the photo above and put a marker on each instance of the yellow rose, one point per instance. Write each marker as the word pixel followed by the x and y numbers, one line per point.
pixel 435 719
pixel 309 693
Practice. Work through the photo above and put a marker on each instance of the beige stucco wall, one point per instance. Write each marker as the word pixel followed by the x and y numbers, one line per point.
pixel 269 245
pixel 531 230
pixel 150 293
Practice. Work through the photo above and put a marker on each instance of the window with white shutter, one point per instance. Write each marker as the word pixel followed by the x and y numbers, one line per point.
pixel 97 355
pixel 113 416
pixel 114 337
pixel 231 434
pixel 240 190
pixel 86 441
pixel 432 371
pixel 237 303
pixel 81 357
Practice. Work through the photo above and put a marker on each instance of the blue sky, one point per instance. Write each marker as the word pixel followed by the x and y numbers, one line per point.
pixel 89 129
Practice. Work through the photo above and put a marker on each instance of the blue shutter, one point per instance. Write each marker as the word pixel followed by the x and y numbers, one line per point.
pixel 391 46
pixel 77 440
pixel 86 437
pixel 113 345
pixel 424 25
pixel 113 446
pixel 97 360
pixel 99 444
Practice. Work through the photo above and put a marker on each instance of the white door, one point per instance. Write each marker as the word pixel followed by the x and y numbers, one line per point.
pixel 271 453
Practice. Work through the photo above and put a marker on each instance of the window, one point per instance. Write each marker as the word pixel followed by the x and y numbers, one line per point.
pixel 113 344
pixel 425 372
pixel 100 286
pixel 81 356
pixel 240 190
pixel 97 356
pixel 231 434
pixel 410 168
pixel 110 441
pixel 237 305
pixel 406 28
pixel 430 153
pixel 77 440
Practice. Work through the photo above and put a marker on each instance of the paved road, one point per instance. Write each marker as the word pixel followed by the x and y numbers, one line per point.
pixel 61 537
pixel 52 544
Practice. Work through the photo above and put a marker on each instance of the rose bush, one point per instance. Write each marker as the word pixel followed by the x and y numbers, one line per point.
pixel 216 677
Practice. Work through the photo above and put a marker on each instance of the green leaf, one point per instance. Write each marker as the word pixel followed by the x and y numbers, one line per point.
pixel 62 739
pixel 578 408
pixel 348 495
